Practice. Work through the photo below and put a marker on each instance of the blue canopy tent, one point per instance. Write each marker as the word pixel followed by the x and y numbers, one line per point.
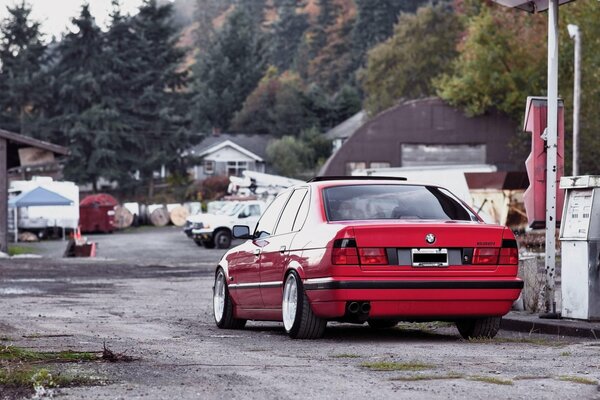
pixel 36 197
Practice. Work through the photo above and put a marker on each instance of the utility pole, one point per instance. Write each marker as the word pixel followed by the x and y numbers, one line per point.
pixel 575 34
pixel 551 154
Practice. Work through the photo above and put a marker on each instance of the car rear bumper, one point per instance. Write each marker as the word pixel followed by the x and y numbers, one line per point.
pixel 414 298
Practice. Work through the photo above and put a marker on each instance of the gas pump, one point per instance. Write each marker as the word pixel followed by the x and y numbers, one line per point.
pixel 580 247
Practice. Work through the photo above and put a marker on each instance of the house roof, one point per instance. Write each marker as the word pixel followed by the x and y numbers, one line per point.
pixel 428 121
pixel 254 145
pixel 17 141
pixel 229 143
pixel 348 127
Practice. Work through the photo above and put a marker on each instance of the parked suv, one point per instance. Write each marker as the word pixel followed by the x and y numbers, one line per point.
pixel 214 230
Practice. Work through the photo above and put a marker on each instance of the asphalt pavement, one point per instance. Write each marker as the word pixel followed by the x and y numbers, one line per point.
pixel 148 295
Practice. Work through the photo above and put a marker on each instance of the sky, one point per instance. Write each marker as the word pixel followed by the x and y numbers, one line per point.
pixel 55 15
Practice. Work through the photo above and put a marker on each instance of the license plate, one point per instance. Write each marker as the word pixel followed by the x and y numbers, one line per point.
pixel 429 257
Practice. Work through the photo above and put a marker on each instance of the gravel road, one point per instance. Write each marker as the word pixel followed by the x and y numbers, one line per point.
pixel 149 295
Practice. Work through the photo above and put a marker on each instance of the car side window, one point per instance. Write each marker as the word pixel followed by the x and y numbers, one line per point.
pixel 286 222
pixel 266 224
pixel 302 213
pixel 254 210
pixel 245 213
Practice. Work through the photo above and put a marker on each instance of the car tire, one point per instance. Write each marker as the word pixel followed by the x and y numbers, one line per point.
pixel 223 304
pixel 479 328
pixel 209 244
pixel 298 319
pixel 382 323
pixel 222 239
pixel 199 243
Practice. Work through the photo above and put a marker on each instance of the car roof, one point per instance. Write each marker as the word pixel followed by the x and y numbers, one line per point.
pixel 323 182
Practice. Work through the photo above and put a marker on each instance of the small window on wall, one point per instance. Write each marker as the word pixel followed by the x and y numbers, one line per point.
pixel 354 165
pixel 209 167
pixel 380 165
pixel 236 168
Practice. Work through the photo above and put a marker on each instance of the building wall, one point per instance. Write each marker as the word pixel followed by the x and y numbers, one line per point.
pixel 424 122
pixel 224 161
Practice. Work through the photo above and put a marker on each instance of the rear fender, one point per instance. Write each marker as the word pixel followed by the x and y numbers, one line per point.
pixel 294 265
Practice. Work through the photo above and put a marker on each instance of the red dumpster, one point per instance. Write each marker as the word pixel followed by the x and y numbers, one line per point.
pixel 97 213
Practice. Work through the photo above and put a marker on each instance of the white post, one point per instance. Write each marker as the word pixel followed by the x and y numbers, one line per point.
pixel 551 155
pixel 576 35
pixel 16 217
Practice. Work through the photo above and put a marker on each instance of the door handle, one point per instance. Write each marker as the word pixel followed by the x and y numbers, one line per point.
pixel 257 252
pixel 282 249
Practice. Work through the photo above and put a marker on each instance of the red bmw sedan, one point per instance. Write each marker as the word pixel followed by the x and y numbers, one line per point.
pixel 365 249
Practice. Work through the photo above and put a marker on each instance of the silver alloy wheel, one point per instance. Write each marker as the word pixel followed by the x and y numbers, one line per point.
pixel 290 302
pixel 219 296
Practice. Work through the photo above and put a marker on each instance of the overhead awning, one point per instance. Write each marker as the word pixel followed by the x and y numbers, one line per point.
pixel 39 197
pixel 531 6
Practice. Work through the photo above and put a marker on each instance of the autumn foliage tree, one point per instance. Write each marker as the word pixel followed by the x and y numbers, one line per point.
pixel 405 66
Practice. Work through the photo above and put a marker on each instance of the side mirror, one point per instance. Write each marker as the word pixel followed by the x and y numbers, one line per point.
pixel 241 232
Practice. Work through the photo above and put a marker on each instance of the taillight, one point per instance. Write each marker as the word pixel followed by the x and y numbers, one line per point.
pixel 509 253
pixel 486 255
pixel 344 252
pixel 372 256
pixel 345 256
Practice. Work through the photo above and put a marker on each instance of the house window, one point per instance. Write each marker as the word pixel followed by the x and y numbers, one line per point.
pixel 236 168
pixel 354 165
pixel 209 167
pixel 380 165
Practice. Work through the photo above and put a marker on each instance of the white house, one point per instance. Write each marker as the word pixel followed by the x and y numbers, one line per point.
pixel 229 155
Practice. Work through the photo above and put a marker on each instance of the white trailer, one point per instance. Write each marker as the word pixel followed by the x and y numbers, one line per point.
pixel 41 219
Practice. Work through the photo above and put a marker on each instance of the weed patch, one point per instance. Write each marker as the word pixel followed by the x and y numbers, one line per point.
pixel 577 379
pixel 344 355
pixel 397 366
pixel 12 353
pixel 19 250
pixel 427 377
pixel 491 379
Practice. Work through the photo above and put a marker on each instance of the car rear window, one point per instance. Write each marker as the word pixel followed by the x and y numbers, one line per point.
pixel 360 202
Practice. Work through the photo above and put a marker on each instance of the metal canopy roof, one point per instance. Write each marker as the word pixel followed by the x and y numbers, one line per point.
pixel 531 6
pixel 39 197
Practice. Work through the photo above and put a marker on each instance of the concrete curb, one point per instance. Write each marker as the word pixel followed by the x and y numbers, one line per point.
pixel 532 323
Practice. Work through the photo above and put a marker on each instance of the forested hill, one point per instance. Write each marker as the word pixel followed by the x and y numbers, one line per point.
pixel 308 47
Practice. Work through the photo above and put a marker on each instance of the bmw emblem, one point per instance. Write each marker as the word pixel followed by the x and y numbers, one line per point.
pixel 430 238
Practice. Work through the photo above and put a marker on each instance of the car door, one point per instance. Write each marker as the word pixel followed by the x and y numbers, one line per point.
pixel 244 273
pixel 275 252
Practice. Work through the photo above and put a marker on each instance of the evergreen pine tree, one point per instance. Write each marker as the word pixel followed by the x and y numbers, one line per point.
pixel 23 86
pixel 375 22
pixel 287 34
pixel 159 112
pixel 227 72
pixel 82 116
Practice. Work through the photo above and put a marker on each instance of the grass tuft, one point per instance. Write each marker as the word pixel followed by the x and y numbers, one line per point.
pixel 19 250
pixel 12 353
pixel 578 379
pixel 344 355
pixel 491 379
pixel 413 378
pixel 397 366
pixel 28 377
